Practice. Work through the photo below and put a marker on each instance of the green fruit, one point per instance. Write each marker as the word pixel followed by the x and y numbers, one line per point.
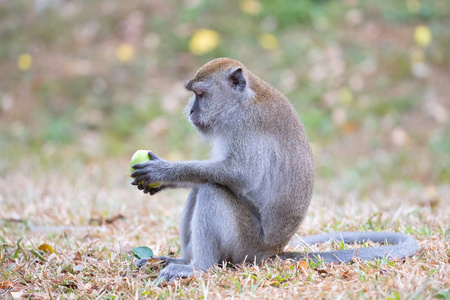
pixel 138 157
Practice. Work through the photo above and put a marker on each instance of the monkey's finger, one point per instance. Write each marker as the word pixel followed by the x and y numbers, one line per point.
pixel 139 173
pixel 155 190
pixel 153 156
pixel 141 165
pixel 140 187
pixel 136 183
pixel 141 262
pixel 144 178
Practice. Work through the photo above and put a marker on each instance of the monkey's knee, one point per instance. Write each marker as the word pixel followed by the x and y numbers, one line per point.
pixel 224 222
pixel 213 203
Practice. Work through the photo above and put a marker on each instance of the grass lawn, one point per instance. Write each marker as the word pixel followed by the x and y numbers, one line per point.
pixel 92 217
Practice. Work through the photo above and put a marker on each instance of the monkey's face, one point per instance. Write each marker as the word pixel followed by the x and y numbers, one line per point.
pixel 199 105
pixel 196 113
pixel 211 106
pixel 217 99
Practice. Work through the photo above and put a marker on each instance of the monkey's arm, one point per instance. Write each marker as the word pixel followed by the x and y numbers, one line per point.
pixel 182 174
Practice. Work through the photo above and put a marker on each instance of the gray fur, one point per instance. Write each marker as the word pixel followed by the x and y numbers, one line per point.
pixel 250 197
pixel 401 245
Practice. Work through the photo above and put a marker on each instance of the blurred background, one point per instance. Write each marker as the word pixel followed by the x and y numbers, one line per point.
pixel 89 82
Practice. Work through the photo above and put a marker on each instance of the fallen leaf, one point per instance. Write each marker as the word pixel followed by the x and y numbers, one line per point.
pixel 346 275
pixel 114 219
pixel 100 221
pixel 46 248
pixel 322 272
pixel 303 264
pixel 78 256
pixel 11 286
pixel 142 252
pixel 70 285
pixel 154 262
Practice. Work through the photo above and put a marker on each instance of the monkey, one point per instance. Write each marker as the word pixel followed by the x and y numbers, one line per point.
pixel 249 198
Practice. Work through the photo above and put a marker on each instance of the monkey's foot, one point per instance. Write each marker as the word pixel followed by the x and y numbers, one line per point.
pixel 169 260
pixel 176 271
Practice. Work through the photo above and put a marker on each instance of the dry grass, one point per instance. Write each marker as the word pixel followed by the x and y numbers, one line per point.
pixel 73 210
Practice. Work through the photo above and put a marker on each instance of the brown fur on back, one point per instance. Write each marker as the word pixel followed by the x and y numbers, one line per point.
pixel 266 98
pixel 216 66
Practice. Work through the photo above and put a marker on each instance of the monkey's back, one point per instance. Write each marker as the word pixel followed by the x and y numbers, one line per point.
pixel 291 172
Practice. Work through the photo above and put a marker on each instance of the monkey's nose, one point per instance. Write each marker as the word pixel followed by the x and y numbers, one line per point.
pixel 192 111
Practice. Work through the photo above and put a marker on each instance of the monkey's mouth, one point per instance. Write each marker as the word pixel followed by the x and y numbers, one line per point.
pixel 199 125
pixel 195 120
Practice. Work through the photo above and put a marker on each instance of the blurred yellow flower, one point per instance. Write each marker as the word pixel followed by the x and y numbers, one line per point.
pixel 413 5
pixel 345 95
pixel 422 35
pixel 24 62
pixel 268 41
pixel 204 41
pixel 251 7
pixel 125 53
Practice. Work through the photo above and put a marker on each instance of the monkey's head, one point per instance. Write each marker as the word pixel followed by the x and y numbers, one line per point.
pixel 220 91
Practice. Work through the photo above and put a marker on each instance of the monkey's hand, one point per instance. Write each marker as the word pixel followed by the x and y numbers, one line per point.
pixel 148 190
pixel 150 172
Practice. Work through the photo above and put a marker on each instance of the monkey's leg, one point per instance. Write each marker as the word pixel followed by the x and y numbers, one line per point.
pixel 185 232
pixel 220 228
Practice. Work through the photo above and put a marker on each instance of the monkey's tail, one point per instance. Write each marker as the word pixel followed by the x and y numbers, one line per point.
pixel 401 245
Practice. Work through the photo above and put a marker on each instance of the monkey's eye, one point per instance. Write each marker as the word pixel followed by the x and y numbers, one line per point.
pixel 199 94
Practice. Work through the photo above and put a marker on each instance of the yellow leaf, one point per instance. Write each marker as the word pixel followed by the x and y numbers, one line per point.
pixel 422 35
pixel 204 41
pixel 303 264
pixel 251 7
pixel 268 41
pixel 46 248
pixel 11 286
pixel 125 53
pixel 24 62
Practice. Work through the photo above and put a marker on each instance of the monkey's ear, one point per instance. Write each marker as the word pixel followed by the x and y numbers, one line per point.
pixel 237 79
